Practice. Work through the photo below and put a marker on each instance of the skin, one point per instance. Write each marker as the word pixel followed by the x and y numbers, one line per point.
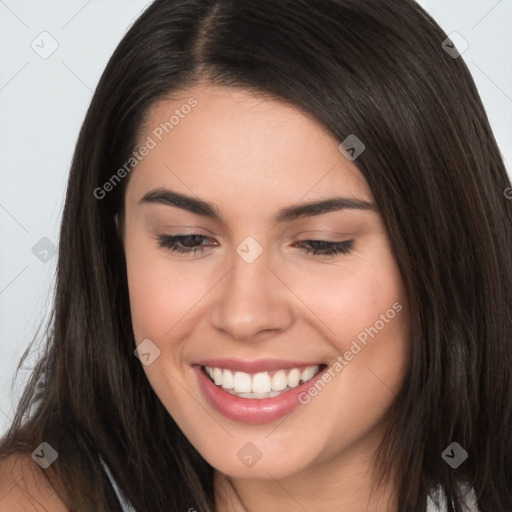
pixel 252 156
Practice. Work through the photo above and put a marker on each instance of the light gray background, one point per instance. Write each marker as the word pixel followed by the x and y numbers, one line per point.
pixel 42 105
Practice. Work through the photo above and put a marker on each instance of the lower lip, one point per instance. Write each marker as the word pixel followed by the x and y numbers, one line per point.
pixel 252 410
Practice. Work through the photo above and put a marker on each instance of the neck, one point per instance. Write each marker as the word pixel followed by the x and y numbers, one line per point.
pixel 329 485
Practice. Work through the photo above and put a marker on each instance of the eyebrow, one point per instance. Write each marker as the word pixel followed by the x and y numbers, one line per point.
pixel 290 213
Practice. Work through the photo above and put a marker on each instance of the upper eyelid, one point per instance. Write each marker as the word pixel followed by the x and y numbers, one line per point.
pixel 326 238
pixel 323 232
pixel 336 247
pixel 175 239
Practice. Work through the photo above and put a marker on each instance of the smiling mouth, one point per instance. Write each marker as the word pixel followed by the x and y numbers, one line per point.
pixel 260 385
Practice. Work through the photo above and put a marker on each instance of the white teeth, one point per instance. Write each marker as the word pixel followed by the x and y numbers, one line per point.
pixel 271 394
pixel 279 381
pixel 293 378
pixel 217 376
pixel 227 379
pixel 260 385
pixel 242 382
pixel 308 373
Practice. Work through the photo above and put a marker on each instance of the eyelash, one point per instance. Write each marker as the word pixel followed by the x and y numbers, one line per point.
pixel 324 247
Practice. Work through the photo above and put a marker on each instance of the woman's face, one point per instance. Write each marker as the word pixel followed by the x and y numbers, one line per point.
pixel 252 302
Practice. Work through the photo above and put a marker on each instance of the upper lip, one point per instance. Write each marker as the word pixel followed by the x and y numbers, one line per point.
pixel 261 365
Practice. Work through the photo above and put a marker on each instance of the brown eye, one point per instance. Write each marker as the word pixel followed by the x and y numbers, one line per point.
pixel 182 243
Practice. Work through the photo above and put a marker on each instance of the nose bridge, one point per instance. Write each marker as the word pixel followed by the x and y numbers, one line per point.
pixel 251 299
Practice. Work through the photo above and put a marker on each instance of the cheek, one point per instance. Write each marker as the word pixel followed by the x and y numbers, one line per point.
pixel 349 297
pixel 159 295
pixel 362 311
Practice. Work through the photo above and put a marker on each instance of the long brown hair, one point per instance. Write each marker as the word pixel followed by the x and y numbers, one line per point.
pixel 375 68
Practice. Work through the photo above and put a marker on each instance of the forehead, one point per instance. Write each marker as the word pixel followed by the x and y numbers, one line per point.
pixel 225 143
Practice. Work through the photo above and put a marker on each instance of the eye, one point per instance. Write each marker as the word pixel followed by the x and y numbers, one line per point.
pixel 326 248
pixel 193 243
pixel 182 243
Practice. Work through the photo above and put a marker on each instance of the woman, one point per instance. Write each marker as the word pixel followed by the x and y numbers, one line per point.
pixel 284 274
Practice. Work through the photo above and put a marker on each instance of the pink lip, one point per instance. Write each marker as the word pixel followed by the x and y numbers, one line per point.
pixel 251 410
pixel 262 365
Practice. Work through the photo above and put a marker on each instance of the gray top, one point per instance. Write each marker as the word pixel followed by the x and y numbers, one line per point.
pixel 471 505
pixel 124 504
pixel 437 494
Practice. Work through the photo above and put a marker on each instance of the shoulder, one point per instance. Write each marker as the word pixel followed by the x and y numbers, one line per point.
pixel 25 488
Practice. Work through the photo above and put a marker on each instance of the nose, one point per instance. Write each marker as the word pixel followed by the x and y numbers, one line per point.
pixel 252 301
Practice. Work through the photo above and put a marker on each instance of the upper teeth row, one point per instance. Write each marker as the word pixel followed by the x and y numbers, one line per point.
pixel 242 382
